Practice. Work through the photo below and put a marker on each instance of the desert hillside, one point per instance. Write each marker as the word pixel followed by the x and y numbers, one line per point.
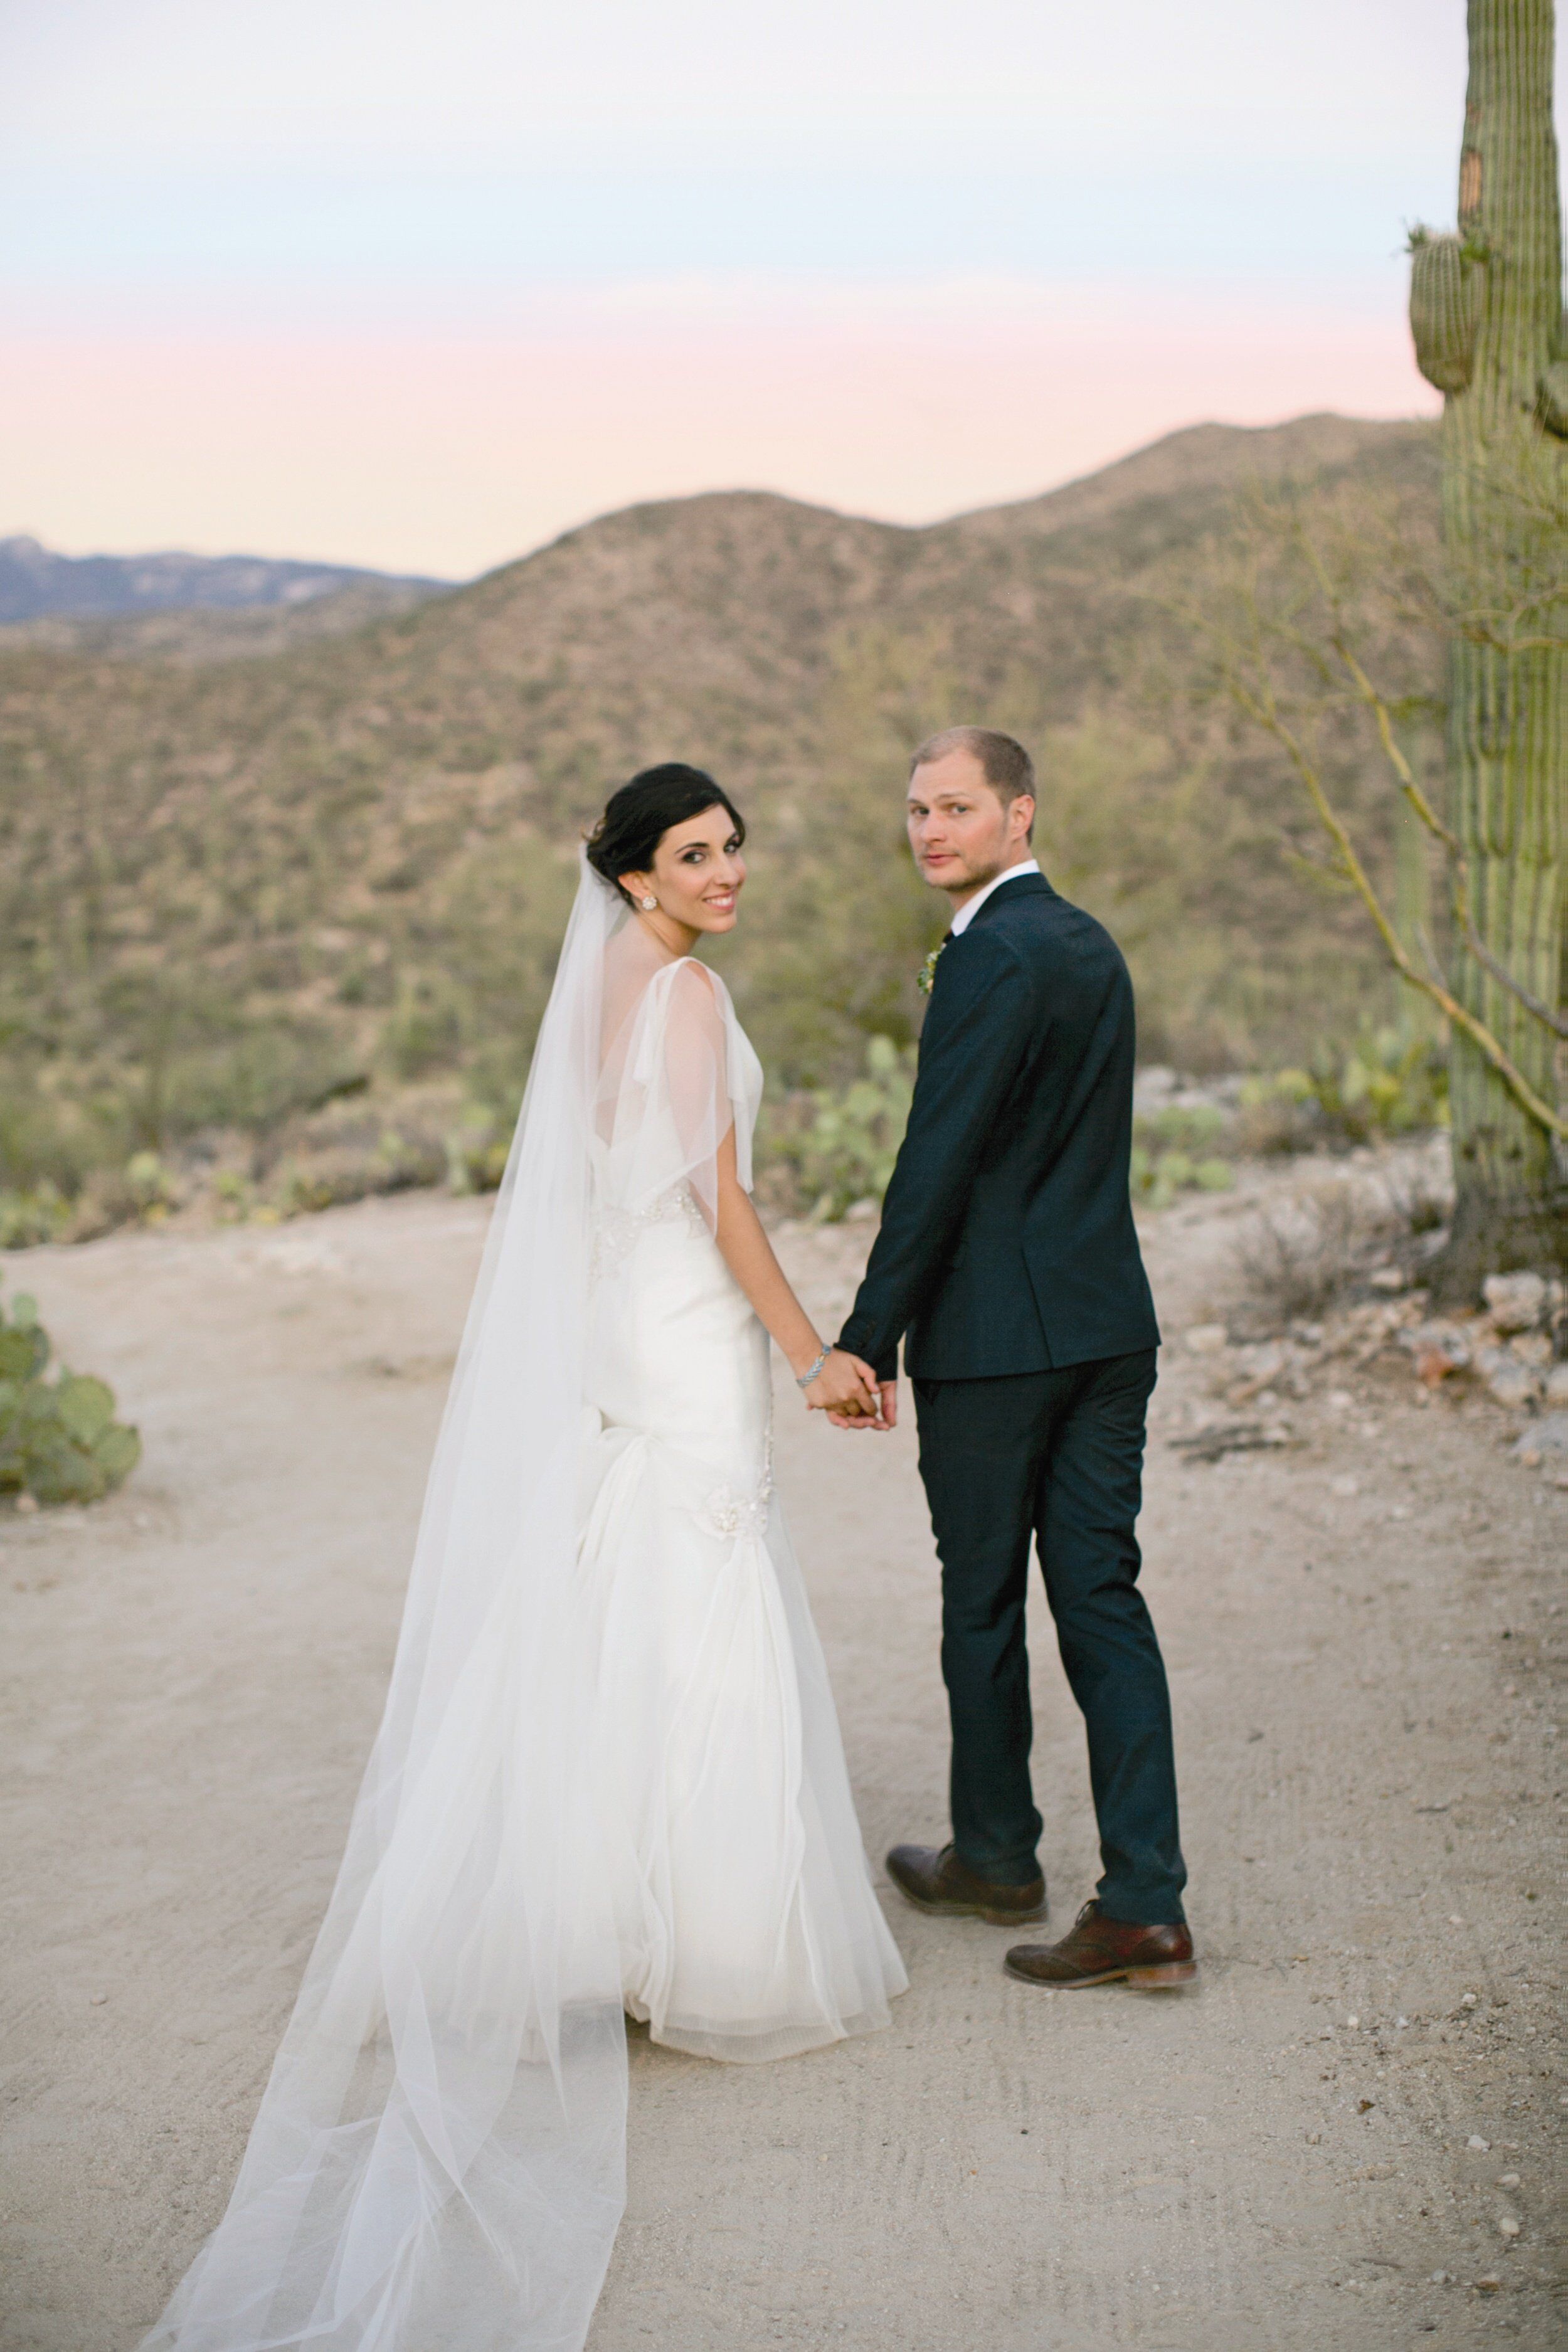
pixel 233 885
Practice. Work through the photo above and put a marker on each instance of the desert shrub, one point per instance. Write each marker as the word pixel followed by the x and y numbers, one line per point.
pixel 151 1186
pixel 1381 1086
pixel 476 1147
pixel 234 1196
pixel 1178 1149
pixel 1418 1192
pixel 1157 1177
pixel 1300 1255
pixel 349 1158
pixel 424 1031
pixel 56 1121
pixel 59 1442
pixel 1200 1129
pixel 838 1144
pixel 1278 1114
pixel 27 1218
pixel 142 1192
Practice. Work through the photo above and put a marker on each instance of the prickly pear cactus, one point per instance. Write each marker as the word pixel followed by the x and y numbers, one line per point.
pixel 59 1442
pixel 24 1349
pixel 1444 309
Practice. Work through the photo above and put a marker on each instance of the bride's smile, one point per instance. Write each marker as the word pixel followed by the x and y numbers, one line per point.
pixel 694 881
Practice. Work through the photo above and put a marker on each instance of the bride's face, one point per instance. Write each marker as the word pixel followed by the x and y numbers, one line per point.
pixel 698 872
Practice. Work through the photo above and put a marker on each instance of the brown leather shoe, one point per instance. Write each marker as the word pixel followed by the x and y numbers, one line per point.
pixel 936 1881
pixel 1098 1950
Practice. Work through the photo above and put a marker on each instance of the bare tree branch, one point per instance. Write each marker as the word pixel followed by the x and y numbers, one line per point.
pixel 1460 864
pixel 1246 655
pixel 1260 707
pixel 1259 701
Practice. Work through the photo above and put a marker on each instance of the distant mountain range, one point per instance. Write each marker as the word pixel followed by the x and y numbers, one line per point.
pixel 36 583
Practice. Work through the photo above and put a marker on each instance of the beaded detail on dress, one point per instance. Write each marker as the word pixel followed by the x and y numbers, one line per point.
pixel 726 1513
pixel 617 1231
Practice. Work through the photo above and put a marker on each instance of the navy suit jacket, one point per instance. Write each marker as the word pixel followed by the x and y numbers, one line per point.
pixel 1008 1242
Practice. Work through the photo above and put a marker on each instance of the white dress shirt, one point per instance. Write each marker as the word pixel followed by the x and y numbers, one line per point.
pixel 971 906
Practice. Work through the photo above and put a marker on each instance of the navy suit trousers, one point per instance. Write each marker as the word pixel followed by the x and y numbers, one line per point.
pixel 1056 1457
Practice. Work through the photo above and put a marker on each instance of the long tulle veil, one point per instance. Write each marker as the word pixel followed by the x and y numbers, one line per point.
pixel 438 2160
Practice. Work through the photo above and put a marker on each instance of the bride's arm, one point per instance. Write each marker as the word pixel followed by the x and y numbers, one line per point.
pixel 844 1384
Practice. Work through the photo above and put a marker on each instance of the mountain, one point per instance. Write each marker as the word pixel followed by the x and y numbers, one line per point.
pixel 231 884
pixel 36 582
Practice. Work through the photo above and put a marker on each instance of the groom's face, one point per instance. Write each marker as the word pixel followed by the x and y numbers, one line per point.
pixel 962 833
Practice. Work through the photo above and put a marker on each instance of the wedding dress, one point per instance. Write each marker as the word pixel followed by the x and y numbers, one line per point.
pixel 609 1776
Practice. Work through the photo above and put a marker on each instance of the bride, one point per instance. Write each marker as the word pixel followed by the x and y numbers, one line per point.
pixel 608 1779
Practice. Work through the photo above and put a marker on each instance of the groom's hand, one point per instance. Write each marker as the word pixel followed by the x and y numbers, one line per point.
pixel 887 1414
pixel 846 1391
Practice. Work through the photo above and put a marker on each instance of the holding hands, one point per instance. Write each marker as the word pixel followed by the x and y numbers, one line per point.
pixel 832 1380
pixel 848 1391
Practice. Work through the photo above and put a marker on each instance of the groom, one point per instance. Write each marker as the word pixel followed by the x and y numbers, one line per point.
pixel 1007 1256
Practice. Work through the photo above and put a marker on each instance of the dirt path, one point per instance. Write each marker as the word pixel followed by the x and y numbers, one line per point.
pixel 1357 1627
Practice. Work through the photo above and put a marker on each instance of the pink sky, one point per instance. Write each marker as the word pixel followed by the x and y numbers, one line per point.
pixel 452 451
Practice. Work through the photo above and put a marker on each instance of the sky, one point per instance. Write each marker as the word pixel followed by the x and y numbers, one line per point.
pixel 419 283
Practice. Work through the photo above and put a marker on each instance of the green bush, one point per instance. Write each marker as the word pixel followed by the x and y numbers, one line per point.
pixel 59 1441
pixel 234 1196
pixel 424 1031
pixel 398 1161
pixel 844 1148
pixel 152 1186
pixel 477 1149
pixel 1381 1086
pixel 1179 1149
pixel 1199 1129
pixel 30 1217
pixel 1157 1177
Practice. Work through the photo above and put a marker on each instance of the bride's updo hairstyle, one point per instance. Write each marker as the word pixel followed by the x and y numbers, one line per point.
pixel 637 817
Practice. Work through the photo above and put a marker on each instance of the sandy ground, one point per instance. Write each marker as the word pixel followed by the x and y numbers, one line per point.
pixel 1358 1628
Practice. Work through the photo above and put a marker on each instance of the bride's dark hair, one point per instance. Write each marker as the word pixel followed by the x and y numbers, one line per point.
pixel 640 813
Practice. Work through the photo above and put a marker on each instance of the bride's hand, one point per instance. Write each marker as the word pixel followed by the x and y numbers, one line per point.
pixel 847 1390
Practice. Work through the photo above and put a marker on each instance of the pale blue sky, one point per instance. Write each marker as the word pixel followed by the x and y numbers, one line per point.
pixel 181 173
pixel 177 141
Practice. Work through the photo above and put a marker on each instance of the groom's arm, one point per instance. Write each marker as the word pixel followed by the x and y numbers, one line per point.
pixel 980 1025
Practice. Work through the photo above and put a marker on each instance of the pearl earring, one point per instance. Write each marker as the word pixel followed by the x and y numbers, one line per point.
pixel 648 904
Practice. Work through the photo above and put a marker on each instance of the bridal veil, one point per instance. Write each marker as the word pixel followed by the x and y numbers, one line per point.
pixel 439 2154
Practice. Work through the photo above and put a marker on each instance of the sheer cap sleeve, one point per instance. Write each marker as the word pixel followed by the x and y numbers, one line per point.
pixel 679 1079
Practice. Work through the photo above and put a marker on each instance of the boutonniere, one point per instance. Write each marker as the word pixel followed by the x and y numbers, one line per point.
pixel 927 973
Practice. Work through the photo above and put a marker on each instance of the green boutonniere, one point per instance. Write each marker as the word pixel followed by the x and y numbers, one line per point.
pixel 927 973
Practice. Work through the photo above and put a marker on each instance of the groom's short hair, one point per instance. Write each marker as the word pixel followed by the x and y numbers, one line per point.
pixel 1006 766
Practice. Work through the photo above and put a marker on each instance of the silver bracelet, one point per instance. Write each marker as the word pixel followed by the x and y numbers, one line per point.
pixel 805 1380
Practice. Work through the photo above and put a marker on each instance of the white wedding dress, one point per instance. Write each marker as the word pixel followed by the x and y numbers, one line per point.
pixel 609 1779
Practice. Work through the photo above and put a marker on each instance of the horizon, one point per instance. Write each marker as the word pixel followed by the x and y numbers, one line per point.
pixel 718 490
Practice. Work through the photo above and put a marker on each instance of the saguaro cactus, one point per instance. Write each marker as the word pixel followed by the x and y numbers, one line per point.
pixel 1486 312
